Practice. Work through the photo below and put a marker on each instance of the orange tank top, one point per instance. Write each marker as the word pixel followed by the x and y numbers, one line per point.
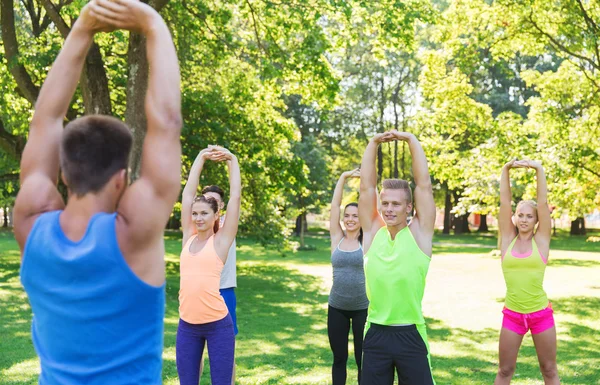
pixel 200 301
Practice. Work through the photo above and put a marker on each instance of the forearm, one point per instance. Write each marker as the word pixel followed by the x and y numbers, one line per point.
pixel 163 99
pixel 338 193
pixel 368 178
pixel 60 84
pixel 419 162
pixel 191 186
pixel 336 202
pixel 505 193
pixel 542 187
pixel 235 179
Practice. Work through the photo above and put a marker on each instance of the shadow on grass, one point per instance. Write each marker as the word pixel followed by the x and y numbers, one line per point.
pixel 578 349
pixel 574 262
pixel 15 321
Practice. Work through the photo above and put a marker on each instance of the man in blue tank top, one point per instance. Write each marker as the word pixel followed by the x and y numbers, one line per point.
pixel 93 269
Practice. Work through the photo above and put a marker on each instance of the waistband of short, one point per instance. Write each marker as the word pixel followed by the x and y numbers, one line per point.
pixel 549 307
pixel 394 328
pixel 223 322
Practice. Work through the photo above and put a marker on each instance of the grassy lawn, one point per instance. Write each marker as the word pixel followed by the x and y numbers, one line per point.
pixel 282 303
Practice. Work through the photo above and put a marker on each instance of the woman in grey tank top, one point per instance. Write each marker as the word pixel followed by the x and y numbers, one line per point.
pixel 348 301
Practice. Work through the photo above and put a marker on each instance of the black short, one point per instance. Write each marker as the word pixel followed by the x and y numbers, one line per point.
pixel 389 349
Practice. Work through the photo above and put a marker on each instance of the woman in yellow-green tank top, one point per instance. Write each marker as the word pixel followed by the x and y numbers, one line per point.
pixel 524 251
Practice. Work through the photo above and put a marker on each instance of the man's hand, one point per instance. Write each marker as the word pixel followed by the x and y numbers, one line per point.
pixel 131 15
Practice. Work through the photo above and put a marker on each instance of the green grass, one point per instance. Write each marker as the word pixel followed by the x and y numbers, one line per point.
pixel 282 310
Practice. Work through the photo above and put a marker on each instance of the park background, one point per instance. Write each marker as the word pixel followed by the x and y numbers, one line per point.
pixel 295 89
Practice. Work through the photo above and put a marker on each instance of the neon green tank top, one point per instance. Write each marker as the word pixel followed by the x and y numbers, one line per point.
pixel 395 272
pixel 524 276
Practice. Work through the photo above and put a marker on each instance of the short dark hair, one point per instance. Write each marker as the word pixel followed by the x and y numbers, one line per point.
pixel 399 184
pixel 92 150
pixel 214 189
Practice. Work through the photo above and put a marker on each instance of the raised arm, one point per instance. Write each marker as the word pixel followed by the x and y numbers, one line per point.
pixel 505 225
pixel 226 235
pixel 40 160
pixel 157 189
pixel 335 229
pixel 370 220
pixel 543 233
pixel 189 193
pixel 423 196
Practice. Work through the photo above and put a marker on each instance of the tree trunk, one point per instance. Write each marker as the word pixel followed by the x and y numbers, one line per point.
pixel 298 225
pixel 447 213
pixel 578 226
pixel 462 224
pixel 5 224
pixel 483 225
pixel 303 226
pixel 137 84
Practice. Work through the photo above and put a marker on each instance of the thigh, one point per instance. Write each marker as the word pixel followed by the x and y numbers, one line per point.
pixel 221 348
pixel 377 362
pixel 509 345
pixel 358 329
pixel 188 353
pixel 338 327
pixel 411 360
pixel 545 346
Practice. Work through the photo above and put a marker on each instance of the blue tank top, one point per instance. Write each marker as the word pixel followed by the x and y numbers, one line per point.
pixel 94 320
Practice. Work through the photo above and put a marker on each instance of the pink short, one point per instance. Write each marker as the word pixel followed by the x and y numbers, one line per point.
pixel 519 323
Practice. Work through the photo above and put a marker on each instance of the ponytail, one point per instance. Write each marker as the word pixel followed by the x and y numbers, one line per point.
pixel 216 225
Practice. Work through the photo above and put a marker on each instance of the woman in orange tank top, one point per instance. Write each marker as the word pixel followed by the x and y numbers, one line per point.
pixel 204 318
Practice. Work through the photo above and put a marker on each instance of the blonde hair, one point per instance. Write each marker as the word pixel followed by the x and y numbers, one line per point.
pixel 399 184
pixel 530 203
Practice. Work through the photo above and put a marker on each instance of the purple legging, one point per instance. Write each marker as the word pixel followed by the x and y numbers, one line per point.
pixel 220 339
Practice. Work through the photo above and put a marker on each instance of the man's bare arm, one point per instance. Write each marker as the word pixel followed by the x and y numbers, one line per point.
pixel 40 160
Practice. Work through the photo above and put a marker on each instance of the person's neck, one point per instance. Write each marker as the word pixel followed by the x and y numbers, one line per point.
pixel 525 237
pixel 394 230
pixel 204 235
pixel 353 235
pixel 87 205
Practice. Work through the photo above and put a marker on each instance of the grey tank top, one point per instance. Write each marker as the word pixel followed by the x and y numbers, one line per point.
pixel 348 291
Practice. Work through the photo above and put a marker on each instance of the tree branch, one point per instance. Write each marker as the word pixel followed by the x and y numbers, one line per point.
pixel 594 27
pixel 159 4
pixel 13 145
pixel 560 47
pixel 54 15
pixel 254 23
pixel 11 48
pixel 12 176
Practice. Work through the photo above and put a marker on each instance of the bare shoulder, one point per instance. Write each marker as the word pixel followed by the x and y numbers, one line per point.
pixel 140 234
pixel 38 194
pixel 423 238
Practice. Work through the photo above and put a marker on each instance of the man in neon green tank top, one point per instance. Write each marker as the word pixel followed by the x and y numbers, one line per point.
pixel 397 256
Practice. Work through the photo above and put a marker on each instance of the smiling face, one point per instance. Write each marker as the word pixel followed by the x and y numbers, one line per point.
pixel 395 206
pixel 203 216
pixel 350 219
pixel 525 217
